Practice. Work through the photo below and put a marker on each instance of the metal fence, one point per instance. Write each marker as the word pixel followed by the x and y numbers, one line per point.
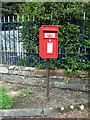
pixel 19 41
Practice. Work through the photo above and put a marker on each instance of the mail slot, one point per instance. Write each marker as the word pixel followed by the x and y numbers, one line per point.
pixel 48 41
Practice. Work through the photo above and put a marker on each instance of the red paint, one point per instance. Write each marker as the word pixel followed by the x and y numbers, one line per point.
pixel 48 41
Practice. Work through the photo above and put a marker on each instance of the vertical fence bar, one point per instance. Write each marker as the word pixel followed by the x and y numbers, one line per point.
pixel 0 40
pixel 22 36
pixel 8 35
pixel 5 42
pixel 33 17
pixel 89 39
pixel 8 19
pixel 22 30
pixel 29 58
pixel 0 19
pixel 83 27
pixel 28 18
pixel 22 17
pixel 17 18
pixel 13 18
pixel 0 43
pixel 9 39
pixel 33 36
pixel 51 17
pixel 14 60
pixel 18 43
pixel 84 16
pixel 4 18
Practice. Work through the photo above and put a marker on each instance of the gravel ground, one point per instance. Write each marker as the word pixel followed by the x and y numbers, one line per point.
pixel 58 98
pixel 72 114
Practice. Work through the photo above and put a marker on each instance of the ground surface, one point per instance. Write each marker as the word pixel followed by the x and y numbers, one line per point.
pixel 72 114
pixel 37 99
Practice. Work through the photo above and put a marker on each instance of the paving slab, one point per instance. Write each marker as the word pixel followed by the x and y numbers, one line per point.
pixel 21 112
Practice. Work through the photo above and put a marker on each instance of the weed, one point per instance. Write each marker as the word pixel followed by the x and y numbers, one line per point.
pixel 27 92
pixel 66 79
pixel 5 100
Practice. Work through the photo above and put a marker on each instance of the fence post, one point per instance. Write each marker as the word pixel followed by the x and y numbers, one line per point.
pixel 47 77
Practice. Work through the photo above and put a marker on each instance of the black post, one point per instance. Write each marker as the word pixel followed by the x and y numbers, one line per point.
pixel 47 77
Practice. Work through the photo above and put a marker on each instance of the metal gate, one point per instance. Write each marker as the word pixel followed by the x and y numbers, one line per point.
pixel 19 42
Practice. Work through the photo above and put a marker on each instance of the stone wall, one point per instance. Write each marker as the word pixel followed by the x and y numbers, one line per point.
pixel 33 76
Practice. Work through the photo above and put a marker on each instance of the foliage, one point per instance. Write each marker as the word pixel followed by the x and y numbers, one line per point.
pixel 22 61
pixel 58 10
pixel 66 79
pixel 10 9
pixel 5 100
pixel 27 92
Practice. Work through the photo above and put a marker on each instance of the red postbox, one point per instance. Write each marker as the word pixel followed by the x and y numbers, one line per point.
pixel 48 41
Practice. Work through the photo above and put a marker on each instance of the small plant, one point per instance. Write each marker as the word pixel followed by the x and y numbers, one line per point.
pixel 27 92
pixel 66 79
pixel 5 100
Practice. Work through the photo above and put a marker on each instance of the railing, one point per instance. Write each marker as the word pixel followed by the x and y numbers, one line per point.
pixel 19 41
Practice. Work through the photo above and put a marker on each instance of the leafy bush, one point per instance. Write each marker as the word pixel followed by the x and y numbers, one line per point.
pixel 5 100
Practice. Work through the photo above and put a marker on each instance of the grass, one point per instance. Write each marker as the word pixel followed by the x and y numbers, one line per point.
pixel 5 100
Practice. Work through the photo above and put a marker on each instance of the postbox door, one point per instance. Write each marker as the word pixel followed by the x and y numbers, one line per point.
pixel 50 48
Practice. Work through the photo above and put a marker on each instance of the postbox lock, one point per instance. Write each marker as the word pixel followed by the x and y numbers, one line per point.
pixel 50 40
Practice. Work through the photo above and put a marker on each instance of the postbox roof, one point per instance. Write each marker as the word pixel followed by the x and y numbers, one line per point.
pixel 49 27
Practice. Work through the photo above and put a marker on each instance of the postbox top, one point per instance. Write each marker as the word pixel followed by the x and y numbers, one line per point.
pixel 49 27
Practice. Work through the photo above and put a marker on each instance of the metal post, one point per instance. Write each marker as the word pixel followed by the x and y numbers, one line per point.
pixel 47 77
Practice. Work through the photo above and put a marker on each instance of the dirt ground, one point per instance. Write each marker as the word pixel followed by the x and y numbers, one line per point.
pixel 37 99
pixel 72 114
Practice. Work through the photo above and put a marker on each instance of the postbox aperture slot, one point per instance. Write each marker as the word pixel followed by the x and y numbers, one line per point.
pixel 50 34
